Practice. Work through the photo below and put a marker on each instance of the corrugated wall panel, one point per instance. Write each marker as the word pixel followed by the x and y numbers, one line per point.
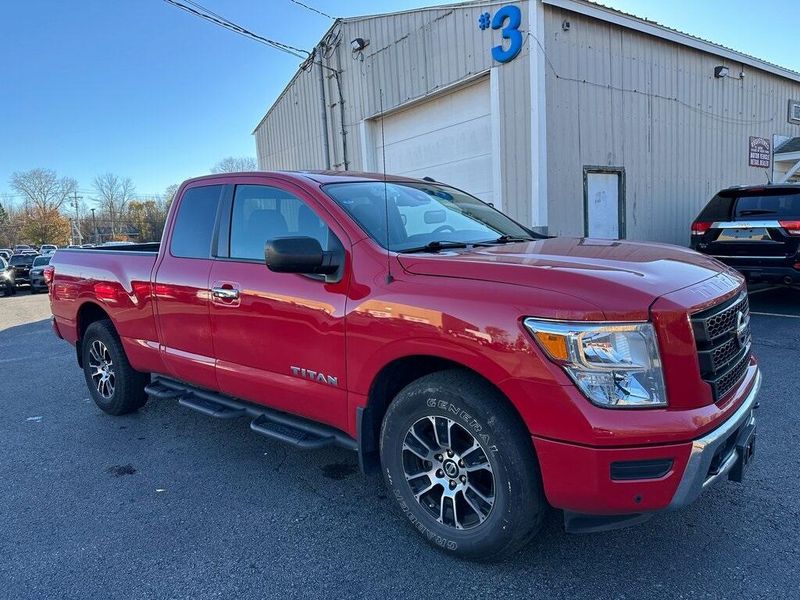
pixel 410 56
pixel 617 97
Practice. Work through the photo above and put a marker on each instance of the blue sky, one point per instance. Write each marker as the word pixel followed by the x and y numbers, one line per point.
pixel 144 90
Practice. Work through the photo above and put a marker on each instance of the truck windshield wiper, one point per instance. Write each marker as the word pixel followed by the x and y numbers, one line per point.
pixel 507 239
pixel 757 211
pixel 435 246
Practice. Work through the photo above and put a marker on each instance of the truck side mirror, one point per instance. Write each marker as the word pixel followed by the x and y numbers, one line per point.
pixel 299 255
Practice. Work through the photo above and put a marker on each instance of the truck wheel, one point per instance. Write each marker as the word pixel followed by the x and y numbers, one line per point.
pixel 115 386
pixel 461 465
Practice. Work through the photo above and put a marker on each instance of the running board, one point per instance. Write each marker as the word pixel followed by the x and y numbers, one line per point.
pixel 157 390
pixel 290 433
pixel 209 408
pixel 291 429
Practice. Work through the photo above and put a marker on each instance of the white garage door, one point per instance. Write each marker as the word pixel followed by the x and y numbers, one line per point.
pixel 448 138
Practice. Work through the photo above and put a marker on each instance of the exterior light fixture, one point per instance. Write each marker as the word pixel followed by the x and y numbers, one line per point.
pixel 720 72
pixel 358 44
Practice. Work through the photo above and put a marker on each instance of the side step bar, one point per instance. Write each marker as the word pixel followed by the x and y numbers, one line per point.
pixel 271 423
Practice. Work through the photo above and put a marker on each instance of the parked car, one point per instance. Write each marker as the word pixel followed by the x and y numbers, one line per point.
pixel 755 230
pixel 20 248
pixel 47 248
pixel 486 371
pixel 36 275
pixel 6 253
pixel 7 284
pixel 87 245
pixel 22 267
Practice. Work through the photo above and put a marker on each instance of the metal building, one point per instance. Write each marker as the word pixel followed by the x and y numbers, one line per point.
pixel 570 116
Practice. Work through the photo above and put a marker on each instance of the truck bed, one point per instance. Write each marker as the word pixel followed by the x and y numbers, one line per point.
pixel 144 247
pixel 116 278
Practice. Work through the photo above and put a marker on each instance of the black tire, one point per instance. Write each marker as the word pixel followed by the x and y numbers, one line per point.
pixel 464 402
pixel 126 393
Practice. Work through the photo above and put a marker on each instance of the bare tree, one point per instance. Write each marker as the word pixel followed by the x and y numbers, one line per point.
pixel 169 194
pixel 233 164
pixel 43 194
pixel 113 195
pixel 11 226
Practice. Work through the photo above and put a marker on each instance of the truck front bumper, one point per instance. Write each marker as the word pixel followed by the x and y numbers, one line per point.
pixel 598 488
pixel 714 456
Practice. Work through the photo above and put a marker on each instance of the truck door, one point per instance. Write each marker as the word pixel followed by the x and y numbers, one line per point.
pixel 181 287
pixel 279 337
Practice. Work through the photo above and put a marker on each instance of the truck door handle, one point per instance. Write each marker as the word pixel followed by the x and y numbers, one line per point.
pixel 225 293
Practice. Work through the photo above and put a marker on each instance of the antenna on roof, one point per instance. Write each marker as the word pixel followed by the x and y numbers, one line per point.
pixel 389 277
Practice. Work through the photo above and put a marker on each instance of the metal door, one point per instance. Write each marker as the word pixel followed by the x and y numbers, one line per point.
pixel 604 204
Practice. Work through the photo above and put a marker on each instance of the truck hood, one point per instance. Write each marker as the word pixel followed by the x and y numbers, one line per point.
pixel 622 279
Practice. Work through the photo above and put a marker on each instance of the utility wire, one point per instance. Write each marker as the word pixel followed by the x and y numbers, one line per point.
pixel 695 109
pixel 312 9
pixel 202 12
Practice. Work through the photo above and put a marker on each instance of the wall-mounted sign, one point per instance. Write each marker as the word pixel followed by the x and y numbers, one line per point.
pixel 507 20
pixel 760 152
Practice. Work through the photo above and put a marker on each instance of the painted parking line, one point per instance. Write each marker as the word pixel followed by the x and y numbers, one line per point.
pixel 769 314
pixel 768 289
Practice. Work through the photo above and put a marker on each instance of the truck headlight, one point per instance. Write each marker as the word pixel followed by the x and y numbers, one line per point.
pixel 616 365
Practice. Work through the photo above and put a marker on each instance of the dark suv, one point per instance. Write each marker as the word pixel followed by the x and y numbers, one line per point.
pixel 755 230
pixel 22 267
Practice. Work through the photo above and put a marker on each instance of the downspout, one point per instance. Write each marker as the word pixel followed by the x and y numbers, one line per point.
pixel 325 142
pixel 336 74
pixel 341 118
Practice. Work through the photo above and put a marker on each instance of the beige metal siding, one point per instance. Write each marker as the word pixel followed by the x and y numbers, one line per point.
pixel 291 137
pixel 617 97
pixel 410 56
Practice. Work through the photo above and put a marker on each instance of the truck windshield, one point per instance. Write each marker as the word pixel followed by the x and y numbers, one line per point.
pixel 409 216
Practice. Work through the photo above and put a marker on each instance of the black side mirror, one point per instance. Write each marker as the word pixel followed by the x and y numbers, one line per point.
pixel 299 255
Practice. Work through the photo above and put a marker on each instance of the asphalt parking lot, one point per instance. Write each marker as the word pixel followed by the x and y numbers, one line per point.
pixel 167 503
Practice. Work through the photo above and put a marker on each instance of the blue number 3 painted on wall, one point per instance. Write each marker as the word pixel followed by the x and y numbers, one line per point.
pixel 510 32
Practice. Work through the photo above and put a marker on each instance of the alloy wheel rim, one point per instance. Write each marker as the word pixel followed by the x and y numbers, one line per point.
pixel 448 472
pixel 102 369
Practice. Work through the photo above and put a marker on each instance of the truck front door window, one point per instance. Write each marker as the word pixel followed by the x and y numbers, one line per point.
pixel 262 213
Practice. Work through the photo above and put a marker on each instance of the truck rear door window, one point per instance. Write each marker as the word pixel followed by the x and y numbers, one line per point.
pixel 194 224
pixel 262 213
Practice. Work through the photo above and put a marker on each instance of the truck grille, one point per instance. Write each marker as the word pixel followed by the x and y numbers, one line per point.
pixel 722 335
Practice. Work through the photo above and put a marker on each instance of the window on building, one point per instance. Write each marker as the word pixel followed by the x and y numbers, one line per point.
pixel 194 223
pixel 262 213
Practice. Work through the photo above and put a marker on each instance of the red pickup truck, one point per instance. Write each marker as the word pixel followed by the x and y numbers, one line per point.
pixel 487 371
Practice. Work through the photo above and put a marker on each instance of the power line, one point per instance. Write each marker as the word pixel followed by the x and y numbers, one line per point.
pixel 701 111
pixel 312 9
pixel 202 12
